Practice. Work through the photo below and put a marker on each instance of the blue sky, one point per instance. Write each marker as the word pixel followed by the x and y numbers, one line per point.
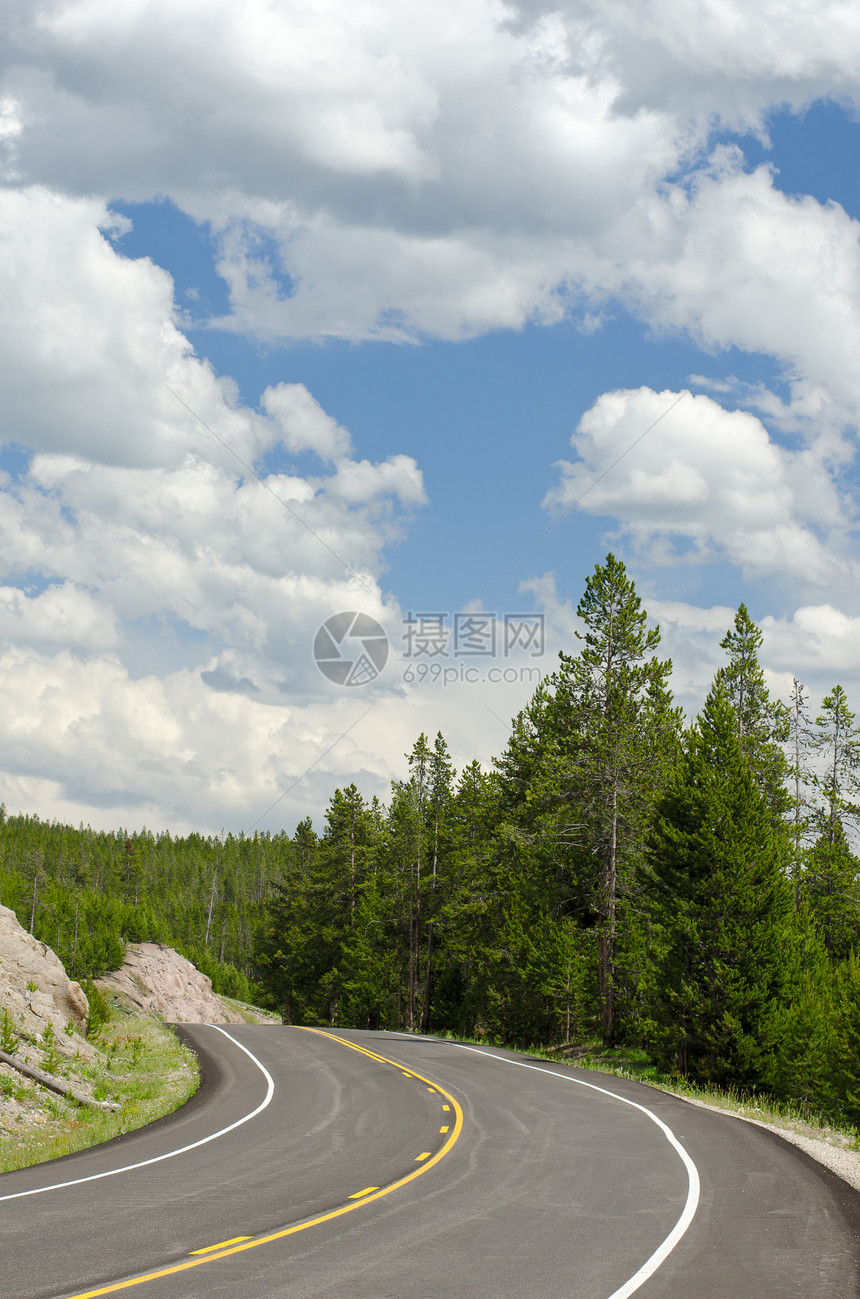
pixel 485 418
pixel 431 274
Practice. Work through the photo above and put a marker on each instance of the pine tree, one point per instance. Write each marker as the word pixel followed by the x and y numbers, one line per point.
pixel 838 742
pixel 441 776
pixel 798 744
pixel 721 908
pixel 293 953
pixel 831 885
pixel 846 1069
pixel 613 701
pixel 762 723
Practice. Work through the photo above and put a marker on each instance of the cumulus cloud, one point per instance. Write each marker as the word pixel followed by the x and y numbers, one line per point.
pixel 119 746
pixel 62 615
pixel 303 424
pixel 816 644
pixel 447 169
pixel 816 640
pixel 89 343
pixel 443 169
pixel 706 482
pixel 714 265
pixel 397 172
pixel 160 594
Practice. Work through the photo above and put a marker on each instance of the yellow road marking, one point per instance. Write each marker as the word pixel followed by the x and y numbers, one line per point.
pixel 441 1130
pixel 431 1089
pixel 248 1243
pixel 446 1107
pixel 208 1250
pixel 426 1155
pixel 358 1195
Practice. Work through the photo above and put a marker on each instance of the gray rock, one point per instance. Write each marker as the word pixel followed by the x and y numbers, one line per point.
pixel 159 980
pixel 36 990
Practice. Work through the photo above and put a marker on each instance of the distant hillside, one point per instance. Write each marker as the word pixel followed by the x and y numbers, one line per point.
pixel 87 893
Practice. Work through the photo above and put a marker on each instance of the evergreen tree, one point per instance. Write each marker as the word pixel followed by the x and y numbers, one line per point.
pixel 441 776
pixel 798 744
pixel 832 889
pixel 805 1033
pixel 846 1067
pixel 838 742
pixel 293 953
pixel 722 910
pixel 762 723
pixel 613 701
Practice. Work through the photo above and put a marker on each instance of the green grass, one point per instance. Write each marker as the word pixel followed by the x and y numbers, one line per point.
pixel 250 1014
pixel 627 1062
pixel 633 1063
pixel 143 1069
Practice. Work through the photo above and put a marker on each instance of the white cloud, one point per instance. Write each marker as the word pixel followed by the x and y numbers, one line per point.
pixel 62 615
pixel 396 172
pixel 303 423
pixel 89 342
pixel 160 600
pixel 705 482
pixel 449 168
pixel 87 741
pixel 732 261
pixel 816 642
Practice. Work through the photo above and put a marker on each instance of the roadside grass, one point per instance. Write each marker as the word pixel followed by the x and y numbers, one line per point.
pixel 143 1069
pixel 633 1063
pixel 251 1014
pixel 794 1116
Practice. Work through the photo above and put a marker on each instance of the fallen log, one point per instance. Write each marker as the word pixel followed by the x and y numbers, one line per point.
pixel 570 1049
pixel 45 1080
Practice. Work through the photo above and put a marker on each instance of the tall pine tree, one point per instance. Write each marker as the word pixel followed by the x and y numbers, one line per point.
pixel 762 723
pixel 613 700
pixel 722 910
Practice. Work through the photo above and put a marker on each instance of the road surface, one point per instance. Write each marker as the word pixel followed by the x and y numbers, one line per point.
pixel 317 1165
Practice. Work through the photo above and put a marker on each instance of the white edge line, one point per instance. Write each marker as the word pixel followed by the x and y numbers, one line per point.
pixel 662 1252
pixel 170 1154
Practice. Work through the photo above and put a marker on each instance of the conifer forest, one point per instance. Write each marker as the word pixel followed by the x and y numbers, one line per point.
pixel 615 875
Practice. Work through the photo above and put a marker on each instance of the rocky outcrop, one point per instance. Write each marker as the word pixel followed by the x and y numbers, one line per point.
pixel 157 979
pixel 36 991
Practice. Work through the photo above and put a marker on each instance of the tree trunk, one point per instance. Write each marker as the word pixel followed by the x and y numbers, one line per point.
pixel 425 1009
pixel 606 941
pixel 211 905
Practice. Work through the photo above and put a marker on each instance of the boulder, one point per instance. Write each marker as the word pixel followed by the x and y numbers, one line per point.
pixel 35 989
pixel 159 980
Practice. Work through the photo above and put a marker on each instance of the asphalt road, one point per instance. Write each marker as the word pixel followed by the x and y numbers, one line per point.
pixel 323 1170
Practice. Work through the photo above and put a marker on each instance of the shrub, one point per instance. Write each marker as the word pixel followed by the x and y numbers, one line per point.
pixel 100 1011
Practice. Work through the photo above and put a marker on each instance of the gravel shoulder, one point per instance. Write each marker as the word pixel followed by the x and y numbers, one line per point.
pixel 832 1149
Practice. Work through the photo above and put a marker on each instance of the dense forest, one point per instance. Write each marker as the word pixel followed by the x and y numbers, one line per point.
pixel 615 876
pixel 87 893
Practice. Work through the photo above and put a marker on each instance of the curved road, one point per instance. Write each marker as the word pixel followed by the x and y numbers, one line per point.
pixel 366 1165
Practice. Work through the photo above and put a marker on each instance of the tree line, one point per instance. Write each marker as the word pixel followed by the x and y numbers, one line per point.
pixel 88 893
pixel 614 875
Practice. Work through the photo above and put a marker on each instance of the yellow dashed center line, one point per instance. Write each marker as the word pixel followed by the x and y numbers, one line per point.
pixel 442 1131
pixel 212 1253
